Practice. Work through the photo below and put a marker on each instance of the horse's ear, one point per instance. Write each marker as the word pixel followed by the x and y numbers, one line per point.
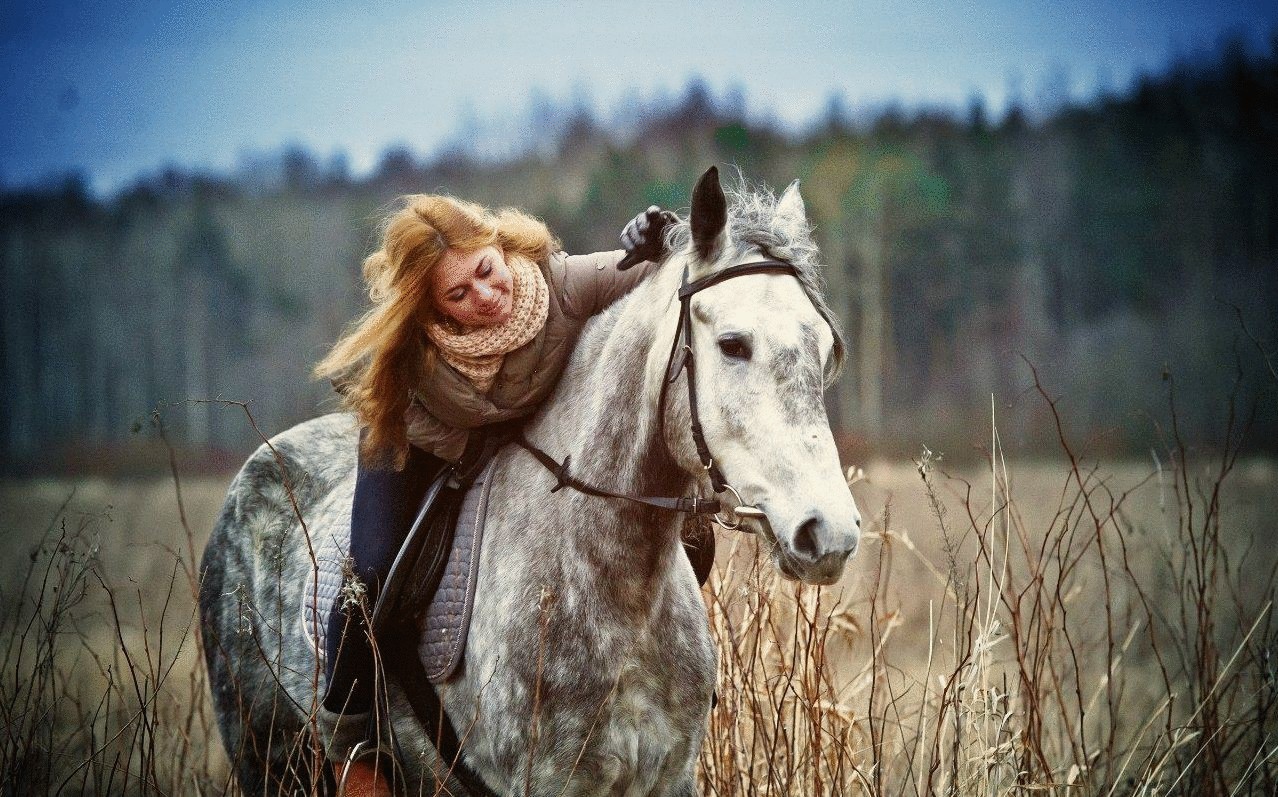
pixel 790 205
pixel 709 214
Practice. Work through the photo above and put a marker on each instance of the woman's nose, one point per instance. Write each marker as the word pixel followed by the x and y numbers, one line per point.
pixel 484 291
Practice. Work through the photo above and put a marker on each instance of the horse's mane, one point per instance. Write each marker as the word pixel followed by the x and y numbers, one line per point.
pixel 754 222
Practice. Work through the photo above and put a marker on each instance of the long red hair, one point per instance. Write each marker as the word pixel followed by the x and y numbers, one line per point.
pixel 385 354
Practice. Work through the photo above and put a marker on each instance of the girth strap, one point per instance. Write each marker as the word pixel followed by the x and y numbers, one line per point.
pixel 401 655
pixel 693 504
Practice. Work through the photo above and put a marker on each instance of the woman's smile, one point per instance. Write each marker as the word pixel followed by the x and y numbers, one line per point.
pixel 498 309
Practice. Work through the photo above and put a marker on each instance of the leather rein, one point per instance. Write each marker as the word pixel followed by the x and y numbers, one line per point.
pixel 680 359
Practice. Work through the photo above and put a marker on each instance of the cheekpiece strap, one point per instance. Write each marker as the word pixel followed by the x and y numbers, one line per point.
pixel 686 292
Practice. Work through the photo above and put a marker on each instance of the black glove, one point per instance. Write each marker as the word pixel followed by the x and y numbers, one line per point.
pixel 644 237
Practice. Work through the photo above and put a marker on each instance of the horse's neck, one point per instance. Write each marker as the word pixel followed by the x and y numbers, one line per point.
pixel 604 415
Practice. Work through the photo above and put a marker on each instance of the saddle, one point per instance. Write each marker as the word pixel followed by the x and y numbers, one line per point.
pixel 426 600
pixel 429 592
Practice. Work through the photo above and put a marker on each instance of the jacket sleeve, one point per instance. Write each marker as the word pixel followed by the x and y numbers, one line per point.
pixel 592 282
pixel 432 435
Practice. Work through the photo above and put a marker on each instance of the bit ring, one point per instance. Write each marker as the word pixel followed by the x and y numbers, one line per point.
pixel 742 510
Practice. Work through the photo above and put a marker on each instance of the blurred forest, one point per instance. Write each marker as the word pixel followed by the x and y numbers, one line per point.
pixel 1121 246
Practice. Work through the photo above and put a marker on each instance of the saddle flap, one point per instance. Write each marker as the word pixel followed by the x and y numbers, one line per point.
pixel 426 538
pixel 429 593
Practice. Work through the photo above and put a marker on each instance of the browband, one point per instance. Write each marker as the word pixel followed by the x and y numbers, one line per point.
pixel 754 267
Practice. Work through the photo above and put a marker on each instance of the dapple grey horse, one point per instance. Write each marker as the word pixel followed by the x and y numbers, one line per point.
pixel 589 668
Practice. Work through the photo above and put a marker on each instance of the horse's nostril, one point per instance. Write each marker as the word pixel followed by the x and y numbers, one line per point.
pixel 805 540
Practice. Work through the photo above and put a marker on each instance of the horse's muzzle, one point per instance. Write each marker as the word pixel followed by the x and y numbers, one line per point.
pixel 817 549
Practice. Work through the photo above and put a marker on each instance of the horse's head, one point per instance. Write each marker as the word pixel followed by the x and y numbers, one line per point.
pixel 764 345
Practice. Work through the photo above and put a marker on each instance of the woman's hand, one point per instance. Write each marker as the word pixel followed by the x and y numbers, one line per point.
pixel 644 237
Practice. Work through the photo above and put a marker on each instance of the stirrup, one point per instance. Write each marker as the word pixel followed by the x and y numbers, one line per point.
pixel 382 759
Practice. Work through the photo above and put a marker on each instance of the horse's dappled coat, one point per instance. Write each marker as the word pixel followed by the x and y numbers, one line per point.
pixel 589 668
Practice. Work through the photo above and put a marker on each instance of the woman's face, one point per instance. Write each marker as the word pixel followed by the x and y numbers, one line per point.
pixel 475 289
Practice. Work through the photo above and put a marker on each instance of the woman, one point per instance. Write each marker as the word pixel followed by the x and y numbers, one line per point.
pixel 474 316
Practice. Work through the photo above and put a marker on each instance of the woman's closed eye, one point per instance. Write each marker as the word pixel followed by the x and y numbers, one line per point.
pixel 483 270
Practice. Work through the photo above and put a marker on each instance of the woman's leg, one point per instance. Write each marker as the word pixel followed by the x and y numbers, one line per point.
pixel 386 501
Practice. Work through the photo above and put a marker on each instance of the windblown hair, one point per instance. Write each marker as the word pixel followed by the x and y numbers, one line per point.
pixel 385 354
pixel 753 221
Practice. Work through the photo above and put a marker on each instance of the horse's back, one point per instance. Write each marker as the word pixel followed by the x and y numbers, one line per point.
pixel 253 569
pixel 279 490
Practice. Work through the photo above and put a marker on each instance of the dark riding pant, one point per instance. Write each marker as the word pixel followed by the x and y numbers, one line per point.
pixel 386 502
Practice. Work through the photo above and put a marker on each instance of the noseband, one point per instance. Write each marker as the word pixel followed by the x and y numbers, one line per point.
pixel 680 359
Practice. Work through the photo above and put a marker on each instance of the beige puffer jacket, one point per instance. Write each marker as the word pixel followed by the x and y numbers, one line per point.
pixel 446 406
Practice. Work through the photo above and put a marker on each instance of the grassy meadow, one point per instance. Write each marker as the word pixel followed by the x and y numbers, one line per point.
pixel 1049 619
pixel 1056 625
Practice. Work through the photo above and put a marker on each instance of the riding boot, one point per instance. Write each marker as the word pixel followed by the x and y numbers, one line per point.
pixel 385 504
pixel 367 771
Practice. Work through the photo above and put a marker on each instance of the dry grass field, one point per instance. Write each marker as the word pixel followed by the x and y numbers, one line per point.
pixel 1054 626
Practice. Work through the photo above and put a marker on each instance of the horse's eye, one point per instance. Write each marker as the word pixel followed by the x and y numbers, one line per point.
pixel 735 346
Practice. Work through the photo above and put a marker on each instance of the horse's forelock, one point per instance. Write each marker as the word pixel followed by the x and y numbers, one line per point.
pixel 753 221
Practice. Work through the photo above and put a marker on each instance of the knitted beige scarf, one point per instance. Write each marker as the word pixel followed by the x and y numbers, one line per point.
pixel 478 352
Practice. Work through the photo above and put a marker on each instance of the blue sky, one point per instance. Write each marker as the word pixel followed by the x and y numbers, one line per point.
pixel 123 88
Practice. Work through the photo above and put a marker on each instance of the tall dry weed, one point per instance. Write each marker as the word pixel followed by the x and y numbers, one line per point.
pixel 1008 643
pixel 1071 647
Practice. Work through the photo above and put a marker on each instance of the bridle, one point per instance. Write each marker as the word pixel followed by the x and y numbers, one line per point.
pixel 680 359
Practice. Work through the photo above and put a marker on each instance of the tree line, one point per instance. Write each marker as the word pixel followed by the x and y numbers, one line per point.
pixel 1124 248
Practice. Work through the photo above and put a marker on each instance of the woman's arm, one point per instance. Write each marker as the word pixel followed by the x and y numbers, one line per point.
pixel 422 429
pixel 433 436
pixel 592 282
pixel 595 281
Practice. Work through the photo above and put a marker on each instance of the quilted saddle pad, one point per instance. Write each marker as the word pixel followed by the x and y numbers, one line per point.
pixel 445 618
